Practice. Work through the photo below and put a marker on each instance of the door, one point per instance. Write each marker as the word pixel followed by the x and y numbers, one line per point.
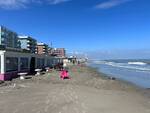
pixel 32 65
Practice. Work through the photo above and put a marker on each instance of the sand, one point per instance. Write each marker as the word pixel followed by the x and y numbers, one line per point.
pixel 86 92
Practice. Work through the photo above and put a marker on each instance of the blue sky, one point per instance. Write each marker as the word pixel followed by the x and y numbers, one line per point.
pixel 83 25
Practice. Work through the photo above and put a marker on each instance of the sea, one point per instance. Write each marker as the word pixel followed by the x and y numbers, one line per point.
pixel 135 71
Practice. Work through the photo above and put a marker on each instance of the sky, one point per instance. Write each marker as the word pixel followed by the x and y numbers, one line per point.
pixel 107 28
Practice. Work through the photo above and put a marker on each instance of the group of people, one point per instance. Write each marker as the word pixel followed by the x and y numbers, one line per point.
pixel 60 66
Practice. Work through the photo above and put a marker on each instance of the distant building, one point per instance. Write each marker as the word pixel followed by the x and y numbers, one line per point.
pixel 41 48
pixel 59 52
pixel 9 39
pixel 50 49
pixel 28 43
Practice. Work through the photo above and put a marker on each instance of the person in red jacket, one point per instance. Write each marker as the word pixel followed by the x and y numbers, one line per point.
pixel 64 74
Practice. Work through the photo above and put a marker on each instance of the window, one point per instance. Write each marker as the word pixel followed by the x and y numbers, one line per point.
pixel 24 63
pixel 11 64
pixel 40 63
pixel 49 62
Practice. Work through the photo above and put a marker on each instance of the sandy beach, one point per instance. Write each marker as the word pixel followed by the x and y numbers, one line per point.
pixel 86 92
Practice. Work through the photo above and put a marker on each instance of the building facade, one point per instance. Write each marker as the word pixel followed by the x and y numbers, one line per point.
pixel 41 48
pixel 28 43
pixel 59 52
pixel 12 63
pixel 9 39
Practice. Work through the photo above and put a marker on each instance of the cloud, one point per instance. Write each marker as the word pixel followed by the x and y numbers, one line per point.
pixel 111 3
pixel 13 4
pixel 17 4
pixel 57 1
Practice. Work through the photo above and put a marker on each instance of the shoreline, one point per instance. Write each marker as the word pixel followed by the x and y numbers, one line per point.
pixel 108 77
pixel 143 91
pixel 135 74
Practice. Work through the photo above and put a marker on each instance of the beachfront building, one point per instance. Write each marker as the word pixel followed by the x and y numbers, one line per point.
pixel 41 48
pixel 9 40
pixel 28 43
pixel 12 63
pixel 59 52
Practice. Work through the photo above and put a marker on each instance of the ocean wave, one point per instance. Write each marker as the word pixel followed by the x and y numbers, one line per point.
pixel 124 65
pixel 141 66
pixel 137 63
pixel 99 62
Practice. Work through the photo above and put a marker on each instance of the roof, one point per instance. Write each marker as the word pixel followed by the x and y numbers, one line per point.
pixel 41 44
pixel 26 37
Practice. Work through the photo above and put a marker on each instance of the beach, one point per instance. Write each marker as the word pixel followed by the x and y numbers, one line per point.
pixel 87 91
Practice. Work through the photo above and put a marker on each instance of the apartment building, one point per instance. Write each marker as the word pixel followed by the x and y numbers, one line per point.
pixel 28 43
pixel 9 39
pixel 41 48
pixel 59 52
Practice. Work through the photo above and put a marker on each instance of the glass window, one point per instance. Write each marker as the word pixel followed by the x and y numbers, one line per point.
pixel 40 63
pixel 49 62
pixel 24 63
pixel 11 64
pixel 2 33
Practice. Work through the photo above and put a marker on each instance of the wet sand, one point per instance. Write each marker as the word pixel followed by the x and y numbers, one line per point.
pixel 86 92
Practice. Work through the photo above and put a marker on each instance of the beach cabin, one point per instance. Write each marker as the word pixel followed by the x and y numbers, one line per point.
pixel 12 63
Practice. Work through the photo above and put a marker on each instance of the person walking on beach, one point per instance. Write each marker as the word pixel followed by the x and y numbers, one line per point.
pixel 73 62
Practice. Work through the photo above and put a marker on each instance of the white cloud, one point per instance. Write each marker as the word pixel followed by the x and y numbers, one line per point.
pixel 16 4
pixel 111 3
pixel 13 4
pixel 57 1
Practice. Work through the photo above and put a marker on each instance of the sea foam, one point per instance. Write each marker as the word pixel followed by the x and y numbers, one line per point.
pixel 137 63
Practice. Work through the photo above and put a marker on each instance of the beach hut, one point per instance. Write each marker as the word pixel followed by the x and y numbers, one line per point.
pixel 12 63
